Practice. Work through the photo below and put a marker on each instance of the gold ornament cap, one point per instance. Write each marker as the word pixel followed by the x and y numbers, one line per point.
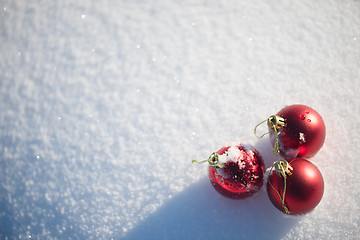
pixel 283 168
pixel 277 122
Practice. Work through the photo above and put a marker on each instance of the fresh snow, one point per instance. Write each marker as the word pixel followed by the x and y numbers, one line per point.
pixel 105 103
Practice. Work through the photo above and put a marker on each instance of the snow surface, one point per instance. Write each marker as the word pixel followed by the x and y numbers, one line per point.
pixel 105 103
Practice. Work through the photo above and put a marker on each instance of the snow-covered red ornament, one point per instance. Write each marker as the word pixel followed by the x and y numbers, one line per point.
pixel 296 131
pixel 236 171
pixel 295 186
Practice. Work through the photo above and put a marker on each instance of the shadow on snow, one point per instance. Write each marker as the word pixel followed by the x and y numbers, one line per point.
pixel 199 212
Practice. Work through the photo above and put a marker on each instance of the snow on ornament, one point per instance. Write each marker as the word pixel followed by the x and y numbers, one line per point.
pixel 236 171
pixel 295 186
pixel 296 131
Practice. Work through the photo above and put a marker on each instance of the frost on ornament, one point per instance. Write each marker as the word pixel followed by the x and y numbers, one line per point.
pixel 296 131
pixel 239 173
pixel 303 134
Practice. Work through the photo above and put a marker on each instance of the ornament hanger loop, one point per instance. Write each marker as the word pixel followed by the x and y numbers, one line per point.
pixel 275 123
pixel 257 127
pixel 213 161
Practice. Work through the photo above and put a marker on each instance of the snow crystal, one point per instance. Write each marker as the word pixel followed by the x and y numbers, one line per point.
pixel 302 137
pixel 233 153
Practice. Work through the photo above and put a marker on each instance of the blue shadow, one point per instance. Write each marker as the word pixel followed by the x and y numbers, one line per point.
pixel 199 212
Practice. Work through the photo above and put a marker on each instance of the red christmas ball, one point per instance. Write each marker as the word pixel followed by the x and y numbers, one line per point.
pixel 303 184
pixel 239 173
pixel 303 132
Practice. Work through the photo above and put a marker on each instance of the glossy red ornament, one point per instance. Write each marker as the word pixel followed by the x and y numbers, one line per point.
pixel 241 171
pixel 303 133
pixel 303 190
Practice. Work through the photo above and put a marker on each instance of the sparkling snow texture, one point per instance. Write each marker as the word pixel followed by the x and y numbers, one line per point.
pixel 105 103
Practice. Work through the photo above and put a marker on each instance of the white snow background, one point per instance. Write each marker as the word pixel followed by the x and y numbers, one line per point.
pixel 105 103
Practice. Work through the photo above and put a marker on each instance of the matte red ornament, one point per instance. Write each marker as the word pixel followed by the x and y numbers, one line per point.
pixel 303 184
pixel 239 173
pixel 302 133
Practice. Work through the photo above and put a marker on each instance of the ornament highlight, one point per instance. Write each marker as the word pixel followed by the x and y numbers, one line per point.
pixel 295 186
pixel 236 171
